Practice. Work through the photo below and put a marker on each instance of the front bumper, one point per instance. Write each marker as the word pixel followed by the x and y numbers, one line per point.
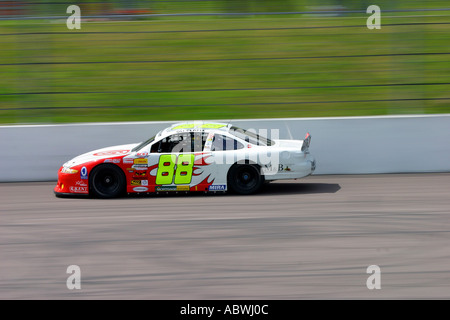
pixel 70 184
pixel 65 194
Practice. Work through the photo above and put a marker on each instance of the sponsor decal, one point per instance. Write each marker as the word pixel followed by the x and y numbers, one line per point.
pixel 142 154
pixel 139 182
pixel 79 189
pixel 166 188
pixel 199 125
pixel 135 182
pixel 198 130
pixel 84 173
pixel 112 161
pixel 141 167
pixel 81 184
pixel 140 189
pixel 141 161
pixel 213 126
pixel 282 167
pixel 140 174
pixel 111 153
pixel 210 137
pixel 184 126
pixel 208 142
pixel 182 188
pixel 127 160
pixel 217 187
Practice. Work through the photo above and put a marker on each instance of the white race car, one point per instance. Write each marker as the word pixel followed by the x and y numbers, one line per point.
pixel 189 156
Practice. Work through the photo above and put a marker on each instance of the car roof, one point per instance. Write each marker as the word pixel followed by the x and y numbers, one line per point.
pixel 195 126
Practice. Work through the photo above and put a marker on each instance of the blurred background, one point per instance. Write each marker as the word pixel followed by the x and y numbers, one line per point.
pixel 221 59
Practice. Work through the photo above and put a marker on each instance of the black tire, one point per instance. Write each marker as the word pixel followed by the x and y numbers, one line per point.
pixel 245 179
pixel 107 181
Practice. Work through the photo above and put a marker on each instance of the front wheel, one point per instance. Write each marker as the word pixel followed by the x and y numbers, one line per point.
pixel 245 179
pixel 107 181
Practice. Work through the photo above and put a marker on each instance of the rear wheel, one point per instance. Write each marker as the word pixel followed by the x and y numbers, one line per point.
pixel 107 181
pixel 245 179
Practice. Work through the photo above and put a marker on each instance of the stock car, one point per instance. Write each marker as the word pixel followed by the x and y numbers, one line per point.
pixel 189 156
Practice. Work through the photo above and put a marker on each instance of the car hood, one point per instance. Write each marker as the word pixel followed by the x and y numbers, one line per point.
pixel 101 154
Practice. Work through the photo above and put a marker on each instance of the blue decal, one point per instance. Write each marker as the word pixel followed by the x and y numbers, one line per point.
pixel 218 187
pixel 84 173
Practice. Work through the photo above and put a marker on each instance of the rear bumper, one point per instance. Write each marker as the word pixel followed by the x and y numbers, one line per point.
pixel 294 171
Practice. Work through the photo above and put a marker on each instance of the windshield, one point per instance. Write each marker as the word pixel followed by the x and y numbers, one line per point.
pixel 143 144
pixel 251 137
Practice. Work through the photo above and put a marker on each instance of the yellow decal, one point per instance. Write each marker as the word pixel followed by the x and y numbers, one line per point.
pixel 185 164
pixel 182 172
pixel 184 126
pixel 165 169
pixel 197 125
pixel 140 161
pixel 212 126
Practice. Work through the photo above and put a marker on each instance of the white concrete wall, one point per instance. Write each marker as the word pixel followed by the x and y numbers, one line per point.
pixel 353 145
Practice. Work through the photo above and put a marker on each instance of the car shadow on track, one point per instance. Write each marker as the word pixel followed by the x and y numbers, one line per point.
pixel 280 188
pixel 269 189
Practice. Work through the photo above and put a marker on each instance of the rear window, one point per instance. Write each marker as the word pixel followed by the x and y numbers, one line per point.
pixel 250 137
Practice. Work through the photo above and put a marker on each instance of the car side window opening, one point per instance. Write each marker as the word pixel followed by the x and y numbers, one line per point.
pixel 168 144
pixel 180 143
pixel 224 143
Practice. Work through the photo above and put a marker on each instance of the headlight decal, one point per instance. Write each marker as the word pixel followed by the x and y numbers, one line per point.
pixel 68 170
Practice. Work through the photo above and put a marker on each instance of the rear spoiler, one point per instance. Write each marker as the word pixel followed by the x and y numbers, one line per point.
pixel 306 142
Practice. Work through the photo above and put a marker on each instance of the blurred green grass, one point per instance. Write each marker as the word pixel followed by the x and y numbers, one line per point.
pixel 186 68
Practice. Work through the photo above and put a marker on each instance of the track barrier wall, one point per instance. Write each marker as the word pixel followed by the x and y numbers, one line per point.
pixel 346 145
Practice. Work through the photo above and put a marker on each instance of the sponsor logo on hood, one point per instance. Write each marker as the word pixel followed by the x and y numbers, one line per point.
pixel 111 153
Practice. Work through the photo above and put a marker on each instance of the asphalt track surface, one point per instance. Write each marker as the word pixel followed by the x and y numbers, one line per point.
pixel 307 239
